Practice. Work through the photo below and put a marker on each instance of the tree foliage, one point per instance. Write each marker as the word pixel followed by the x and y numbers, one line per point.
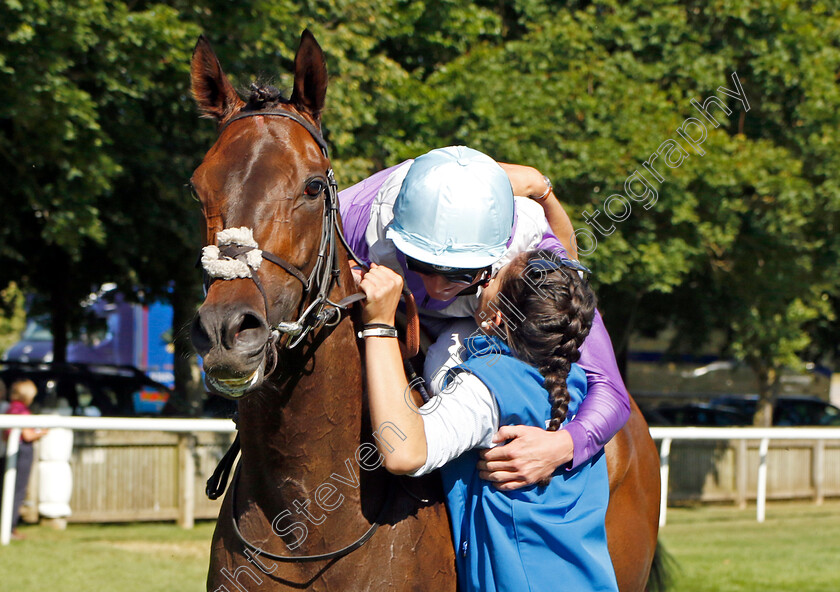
pixel 12 316
pixel 741 239
pixel 98 134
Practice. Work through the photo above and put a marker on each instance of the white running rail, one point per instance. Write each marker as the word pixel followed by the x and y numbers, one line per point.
pixel 186 426
pixel 15 423
pixel 764 435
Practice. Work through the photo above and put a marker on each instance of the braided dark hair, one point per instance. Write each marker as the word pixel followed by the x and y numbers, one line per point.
pixel 558 307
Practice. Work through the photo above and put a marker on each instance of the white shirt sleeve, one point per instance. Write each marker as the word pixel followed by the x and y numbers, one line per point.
pixel 464 417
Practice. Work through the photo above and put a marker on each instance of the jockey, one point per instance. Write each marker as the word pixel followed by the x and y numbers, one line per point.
pixel 446 222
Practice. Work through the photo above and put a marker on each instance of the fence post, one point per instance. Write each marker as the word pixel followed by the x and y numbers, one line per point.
pixel 186 480
pixel 664 459
pixel 741 474
pixel 818 472
pixel 761 498
pixel 10 475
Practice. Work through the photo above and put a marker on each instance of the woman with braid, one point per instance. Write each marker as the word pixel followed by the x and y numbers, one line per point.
pixel 518 369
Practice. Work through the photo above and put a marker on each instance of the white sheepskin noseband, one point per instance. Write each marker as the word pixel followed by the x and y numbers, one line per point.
pixel 223 267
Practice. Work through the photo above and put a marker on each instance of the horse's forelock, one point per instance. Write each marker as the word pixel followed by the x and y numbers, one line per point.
pixel 264 96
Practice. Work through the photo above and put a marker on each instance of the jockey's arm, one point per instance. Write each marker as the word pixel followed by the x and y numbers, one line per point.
pixel 529 182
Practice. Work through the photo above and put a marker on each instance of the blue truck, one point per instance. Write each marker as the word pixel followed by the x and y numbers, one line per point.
pixel 136 335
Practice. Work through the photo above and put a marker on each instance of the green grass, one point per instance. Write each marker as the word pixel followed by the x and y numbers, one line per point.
pixel 717 549
pixel 723 549
pixel 107 558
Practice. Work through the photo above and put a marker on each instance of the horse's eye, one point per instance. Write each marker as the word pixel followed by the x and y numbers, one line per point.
pixel 193 192
pixel 315 187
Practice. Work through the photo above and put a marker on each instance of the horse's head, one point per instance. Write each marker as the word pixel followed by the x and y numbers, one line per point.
pixel 269 209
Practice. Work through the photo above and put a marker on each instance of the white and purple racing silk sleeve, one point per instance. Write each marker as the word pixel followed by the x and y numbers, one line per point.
pixel 355 204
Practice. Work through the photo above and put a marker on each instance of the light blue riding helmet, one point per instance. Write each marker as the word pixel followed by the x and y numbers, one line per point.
pixel 455 209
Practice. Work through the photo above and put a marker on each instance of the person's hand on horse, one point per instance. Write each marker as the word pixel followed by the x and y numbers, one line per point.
pixel 383 289
pixel 530 455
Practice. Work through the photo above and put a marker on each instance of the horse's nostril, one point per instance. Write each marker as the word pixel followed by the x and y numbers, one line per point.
pixel 236 331
pixel 246 331
pixel 200 337
pixel 250 321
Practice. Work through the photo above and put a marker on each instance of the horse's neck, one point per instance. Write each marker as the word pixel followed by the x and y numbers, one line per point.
pixel 292 436
pixel 302 437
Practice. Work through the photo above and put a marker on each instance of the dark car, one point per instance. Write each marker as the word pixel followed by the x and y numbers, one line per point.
pixel 35 345
pixel 696 414
pixel 789 410
pixel 94 389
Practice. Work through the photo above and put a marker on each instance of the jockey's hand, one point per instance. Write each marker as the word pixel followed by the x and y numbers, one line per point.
pixel 383 288
pixel 530 455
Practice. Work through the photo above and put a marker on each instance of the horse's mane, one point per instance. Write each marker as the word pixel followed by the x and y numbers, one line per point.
pixel 264 96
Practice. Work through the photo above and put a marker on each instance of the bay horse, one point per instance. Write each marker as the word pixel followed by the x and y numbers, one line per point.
pixel 309 507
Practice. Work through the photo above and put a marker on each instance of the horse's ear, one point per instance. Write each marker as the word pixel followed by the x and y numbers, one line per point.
pixel 310 77
pixel 211 89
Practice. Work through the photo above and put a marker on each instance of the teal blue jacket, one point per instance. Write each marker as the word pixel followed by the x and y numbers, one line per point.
pixel 537 538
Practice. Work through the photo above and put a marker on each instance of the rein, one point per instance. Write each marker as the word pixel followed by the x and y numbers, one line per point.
pixel 308 558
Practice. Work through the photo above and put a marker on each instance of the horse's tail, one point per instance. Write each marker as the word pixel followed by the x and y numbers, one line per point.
pixel 661 570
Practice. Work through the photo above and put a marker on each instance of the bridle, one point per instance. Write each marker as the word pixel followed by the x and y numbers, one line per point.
pixel 321 311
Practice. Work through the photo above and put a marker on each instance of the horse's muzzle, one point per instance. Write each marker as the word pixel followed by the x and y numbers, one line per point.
pixel 232 342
